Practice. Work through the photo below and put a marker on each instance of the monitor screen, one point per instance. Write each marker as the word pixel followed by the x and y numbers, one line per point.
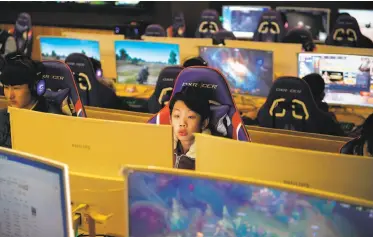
pixel 163 204
pixel 242 20
pixel 32 198
pixel 348 78
pixel 58 48
pixel 248 71
pixel 314 19
pixel 364 19
pixel 140 62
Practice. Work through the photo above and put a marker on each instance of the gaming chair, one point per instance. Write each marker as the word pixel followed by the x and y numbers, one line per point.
pixel 177 29
pixel 60 84
pixel 93 93
pixel 22 33
pixel 300 36
pixel 208 24
pixel 163 88
pixel 270 28
pixel 346 32
pixel 356 146
pixel 290 105
pixel 225 118
pixel 155 30
pixel 219 37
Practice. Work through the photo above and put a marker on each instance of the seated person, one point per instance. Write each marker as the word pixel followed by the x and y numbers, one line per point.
pixel 190 113
pixel 100 74
pixel 195 61
pixel 19 78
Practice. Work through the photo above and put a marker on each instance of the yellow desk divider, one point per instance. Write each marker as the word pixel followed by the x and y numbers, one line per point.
pixel 343 174
pixel 251 129
pixel 106 49
pixel 126 112
pixel 285 56
pixel 3 102
pixel 91 146
pixel 104 197
pixel 96 114
pixel 171 202
pixel 189 47
pixel 321 48
pixel 294 141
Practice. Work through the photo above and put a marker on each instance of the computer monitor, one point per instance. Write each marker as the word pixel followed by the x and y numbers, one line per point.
pixel 316 20
pixel 344 174
pixel 348 78
pixel 364 19
pixel 58 48
pixel 34 196
pixel 248 71
pixel 140 62
pixel 165 202
pixel 242 20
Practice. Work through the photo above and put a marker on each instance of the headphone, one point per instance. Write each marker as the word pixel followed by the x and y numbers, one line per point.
pixel 38 84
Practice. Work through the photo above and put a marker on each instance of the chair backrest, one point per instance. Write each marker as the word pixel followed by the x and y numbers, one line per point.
pixel 300 36
pixel 22 33
pixel 155 30
pixel 59 81
pixel 270 28
pixel 290 105
pixel 217 91
pixel 346 32
pixel 178 25
pixel 163 88
pixel 208 24
pixel 93 93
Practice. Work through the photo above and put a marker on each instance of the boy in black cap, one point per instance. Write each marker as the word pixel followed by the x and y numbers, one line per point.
pixel 19 77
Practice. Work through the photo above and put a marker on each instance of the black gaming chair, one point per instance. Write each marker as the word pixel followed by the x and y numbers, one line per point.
pixel 270 28
pixel 346 32
pixel 357 145
pixel 93 93
pixel 290 105
pixel 219 37
pixel 155 30
pixel 209 24
pixel 163 88
pixel 300 36
pixel 22 33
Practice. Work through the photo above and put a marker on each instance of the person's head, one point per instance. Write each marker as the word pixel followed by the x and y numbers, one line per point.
pixel 195 61
pixel 97 67
pixel 18 77
pixel 190 113
pixel 317 86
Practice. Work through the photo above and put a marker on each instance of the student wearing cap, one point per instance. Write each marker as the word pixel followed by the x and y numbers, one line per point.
pixel 20 78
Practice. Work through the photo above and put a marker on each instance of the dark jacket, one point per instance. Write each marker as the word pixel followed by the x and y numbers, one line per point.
pixel 183 161
pixel 5 135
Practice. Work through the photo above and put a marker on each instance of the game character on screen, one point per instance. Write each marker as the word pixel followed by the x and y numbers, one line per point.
pixel 23 88
pixel 190 113
pixel 142 77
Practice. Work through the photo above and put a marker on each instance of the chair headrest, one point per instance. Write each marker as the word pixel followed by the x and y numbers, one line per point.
pixel 155 30
pixel 346 32
pixel 209 24
pixel 217 91
pixel 23 22
pixel 300 36
pixel 85 75
pixel 270 28
pixel 58 76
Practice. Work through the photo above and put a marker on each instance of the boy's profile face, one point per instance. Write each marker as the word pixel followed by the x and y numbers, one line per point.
pixel 18 96
pixel 185 122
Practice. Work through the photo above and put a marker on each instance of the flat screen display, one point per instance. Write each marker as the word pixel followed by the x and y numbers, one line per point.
pixel 242 20
pixel 140 62
pixel 348 78
pixel 248 71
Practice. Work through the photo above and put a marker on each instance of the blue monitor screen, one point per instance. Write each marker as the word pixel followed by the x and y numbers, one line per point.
pixel 171 205
pixel 364 19
pixel 140 62
pixel 55 48
pixel 242 20
pixel 348 78
pixel 247 71
pixel 32 198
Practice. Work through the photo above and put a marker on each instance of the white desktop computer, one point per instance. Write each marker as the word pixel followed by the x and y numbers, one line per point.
pixel 34 196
